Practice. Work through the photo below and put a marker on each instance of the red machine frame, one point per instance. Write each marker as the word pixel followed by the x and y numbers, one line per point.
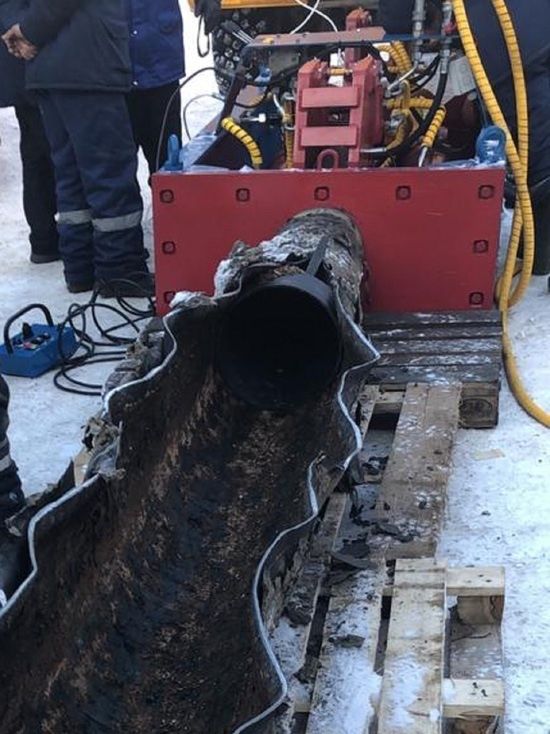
pixel 360 99
pixel 431 235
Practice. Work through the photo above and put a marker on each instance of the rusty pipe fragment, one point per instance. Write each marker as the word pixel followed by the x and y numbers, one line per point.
pixel 145 606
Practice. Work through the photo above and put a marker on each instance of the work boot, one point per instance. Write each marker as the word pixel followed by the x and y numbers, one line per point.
pixel 82 287
pixel 540 197
pixel 45 245
pixel 41 258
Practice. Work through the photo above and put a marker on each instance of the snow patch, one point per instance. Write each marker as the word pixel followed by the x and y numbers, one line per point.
pixel 186 298
pixel 403 691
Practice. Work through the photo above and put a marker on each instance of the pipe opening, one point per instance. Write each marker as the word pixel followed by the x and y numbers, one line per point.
pixel 279 344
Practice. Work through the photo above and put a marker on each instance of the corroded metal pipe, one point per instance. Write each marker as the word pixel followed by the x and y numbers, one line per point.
pixel 143 611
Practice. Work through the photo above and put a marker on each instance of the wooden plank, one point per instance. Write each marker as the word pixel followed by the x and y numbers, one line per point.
pixel 323 541
pixel 443 348
pixel 368 399
pixel 290 638
pixel 434 375
pixel 472 581
pixel 290 642
pixel 323 544
pixel 413 490
pixel 473 699
pixel 435 332
pixel 476 581
pixel 469 318
pixel 347 685
pixel 389 402
pixel 479 403
pixel 438 360
pixel 412 693
pixel 431 346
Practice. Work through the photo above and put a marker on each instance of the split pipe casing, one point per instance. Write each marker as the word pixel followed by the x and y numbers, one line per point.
pixel 144 607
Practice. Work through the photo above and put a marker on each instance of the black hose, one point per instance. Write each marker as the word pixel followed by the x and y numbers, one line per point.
pixel 94 350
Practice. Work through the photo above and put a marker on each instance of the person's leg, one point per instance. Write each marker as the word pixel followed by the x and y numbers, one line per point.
pixel 138 117
pixel 538 91
pixel 39 200
pixel 11 495
pixel 99 129
pixel 150 106
pixel 74 218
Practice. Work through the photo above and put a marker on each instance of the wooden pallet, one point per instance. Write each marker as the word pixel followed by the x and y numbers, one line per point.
pixel 437 348
pixel 401 658
pixel 345 660
pixel 407 518
pixel 302 606
pixel 418 643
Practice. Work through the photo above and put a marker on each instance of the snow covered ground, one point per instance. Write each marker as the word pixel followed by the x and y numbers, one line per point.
pixel 499 513
pixel 499 496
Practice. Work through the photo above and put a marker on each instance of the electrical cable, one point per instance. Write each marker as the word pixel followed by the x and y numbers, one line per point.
pixel 290 71
pixel 314 10
pixel 210 95
pixel 177 91
pixel 202 54
pixel 169 104
pixel 309 16
pixel 419 81
pixel 107 347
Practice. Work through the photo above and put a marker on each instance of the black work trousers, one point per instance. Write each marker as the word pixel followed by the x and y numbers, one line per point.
pixel 537 78
pixel 39 200
pixel 147 108
pixel 99 202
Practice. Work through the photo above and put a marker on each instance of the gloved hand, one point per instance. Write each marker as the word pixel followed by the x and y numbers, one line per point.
pixel 210 11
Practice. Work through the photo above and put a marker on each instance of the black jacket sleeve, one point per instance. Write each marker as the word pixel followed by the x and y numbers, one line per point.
pixel 45 18
pixel 11 12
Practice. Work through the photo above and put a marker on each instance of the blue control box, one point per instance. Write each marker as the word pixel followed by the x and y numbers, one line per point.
pixel 38 348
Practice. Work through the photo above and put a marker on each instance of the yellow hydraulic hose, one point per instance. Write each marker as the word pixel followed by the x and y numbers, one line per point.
pixel 523 151
pixel 415 103
pixel 519 162
pixel 230 126
pixel 399 56
pixel 402 56
pixel 288 126
pixel 517 270
pixel 431 134
pixel 401 133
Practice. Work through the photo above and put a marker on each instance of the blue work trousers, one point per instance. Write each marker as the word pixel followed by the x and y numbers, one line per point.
pixel 98 198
